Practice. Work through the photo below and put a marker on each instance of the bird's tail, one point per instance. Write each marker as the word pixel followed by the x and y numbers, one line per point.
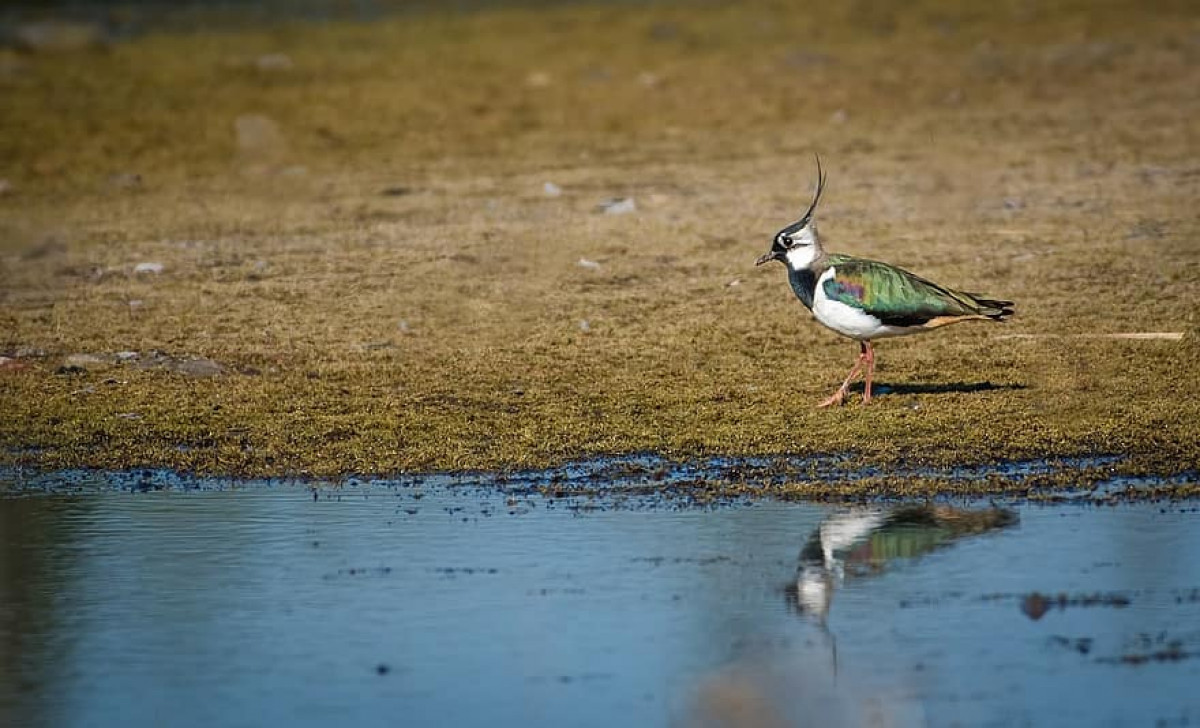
pixel 995 310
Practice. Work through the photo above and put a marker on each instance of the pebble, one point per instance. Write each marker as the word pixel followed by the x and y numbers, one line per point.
pixel 538 79
pixel 154 268
pixel 85 362
pixel 11 364
pixel 589 264
pixel 125 181
pixel 549 189
pixel 648 79
pixel 618 206
pixel 585 326
pixel 257 134
pixel 196 367
pixel 54 36
pixel 274 62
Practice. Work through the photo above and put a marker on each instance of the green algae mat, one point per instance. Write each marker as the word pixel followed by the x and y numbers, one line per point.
pixel 516 237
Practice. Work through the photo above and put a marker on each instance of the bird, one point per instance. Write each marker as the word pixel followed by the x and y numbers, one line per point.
pixel 865 299
pixel 863 540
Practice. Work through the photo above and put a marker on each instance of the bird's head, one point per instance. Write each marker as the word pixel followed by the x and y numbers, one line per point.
pixel 797 245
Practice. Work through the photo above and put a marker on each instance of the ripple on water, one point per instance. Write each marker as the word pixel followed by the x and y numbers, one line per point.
pixel 482 599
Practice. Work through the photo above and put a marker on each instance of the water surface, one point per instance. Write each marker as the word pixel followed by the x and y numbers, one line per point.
pixel 427 603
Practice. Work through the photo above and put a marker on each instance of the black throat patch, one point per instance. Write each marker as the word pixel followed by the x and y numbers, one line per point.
pixel 804 283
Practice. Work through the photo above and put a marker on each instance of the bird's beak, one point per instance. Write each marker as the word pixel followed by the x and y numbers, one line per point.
pixel 768 258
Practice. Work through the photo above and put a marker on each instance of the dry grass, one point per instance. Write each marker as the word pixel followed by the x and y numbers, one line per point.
pixel 1050 157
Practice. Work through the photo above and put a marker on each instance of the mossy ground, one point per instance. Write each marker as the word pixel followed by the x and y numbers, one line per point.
pixel 1049 156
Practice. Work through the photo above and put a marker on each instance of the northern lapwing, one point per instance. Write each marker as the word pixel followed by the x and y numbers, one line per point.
pixel 863 541
pixel 865 299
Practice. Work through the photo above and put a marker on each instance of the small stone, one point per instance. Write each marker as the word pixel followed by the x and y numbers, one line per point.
pixel 12 364
pixel 136 303
pixel 125 181
pixel 257 135
pixel 127 356
pixel 85 362
pixel 551 190
pixel 154 268
pixel 403 327
pixel 618 206
pixel 648 79
pixel 1014 203
pixel 734 282
pixel 839 116
pixel 196 367
pixel 59 36
pixel 376 346
pixel 274 62
pixel 589 264
pixel 1035 606
pixel 538 79
pixel 585 326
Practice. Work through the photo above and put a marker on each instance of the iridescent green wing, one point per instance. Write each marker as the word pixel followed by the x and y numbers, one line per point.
pixel 893 295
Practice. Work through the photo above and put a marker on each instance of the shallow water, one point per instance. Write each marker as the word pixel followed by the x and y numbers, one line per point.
pixel 430 603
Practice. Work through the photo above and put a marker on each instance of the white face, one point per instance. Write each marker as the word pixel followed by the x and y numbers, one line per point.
pixel 803 248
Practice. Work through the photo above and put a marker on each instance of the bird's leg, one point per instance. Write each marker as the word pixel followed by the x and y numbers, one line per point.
pixel 868 352
pixel 840 394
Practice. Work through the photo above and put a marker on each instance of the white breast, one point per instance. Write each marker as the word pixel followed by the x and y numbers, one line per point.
pixel 848 320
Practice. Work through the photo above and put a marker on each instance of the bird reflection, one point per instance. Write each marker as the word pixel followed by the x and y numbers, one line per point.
pixel 861 542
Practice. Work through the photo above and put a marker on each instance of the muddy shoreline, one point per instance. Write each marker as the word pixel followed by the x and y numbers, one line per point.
pixel 635 481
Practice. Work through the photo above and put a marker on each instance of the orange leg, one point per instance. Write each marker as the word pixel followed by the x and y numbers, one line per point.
pixel 867 356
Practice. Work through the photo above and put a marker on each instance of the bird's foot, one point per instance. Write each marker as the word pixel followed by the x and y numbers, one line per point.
pixel 835 399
